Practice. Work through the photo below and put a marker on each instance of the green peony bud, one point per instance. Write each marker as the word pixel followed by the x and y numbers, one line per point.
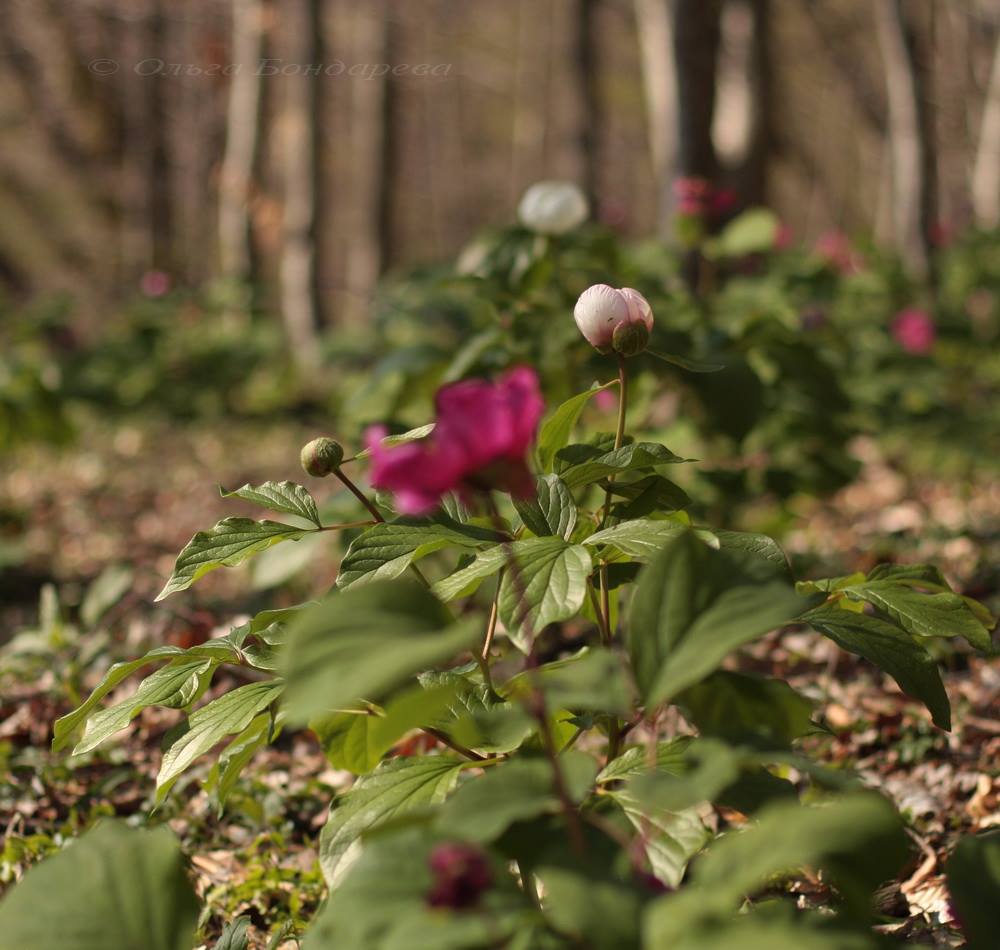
pixel 630 338
pixel 321 457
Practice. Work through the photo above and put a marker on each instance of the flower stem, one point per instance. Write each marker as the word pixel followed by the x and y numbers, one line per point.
pixel 375 513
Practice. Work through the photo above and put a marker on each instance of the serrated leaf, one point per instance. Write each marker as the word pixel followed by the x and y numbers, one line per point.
pixel 891 649
pixel 552 512
pixel 174 686
pixel 583 464
pixel 394 788
pixel 116 888
pixel 229 714
pixel 694 605
pixel 555 430
pixel 284 497
pixel 386 550
pixel 363 642
pixel 229 543
pixel 549 585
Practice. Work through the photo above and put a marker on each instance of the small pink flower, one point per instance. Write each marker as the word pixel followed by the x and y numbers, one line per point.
pixel 783 237
pixel 155 283
pixel 693 195
pixel 942 233
pixel 836 250
pixel 482 434
pixel 723 201
pixel 461 873
pixel 606 400
pixel 601 310
pixel 914 331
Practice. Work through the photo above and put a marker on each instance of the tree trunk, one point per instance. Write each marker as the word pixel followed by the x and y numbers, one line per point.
pixel 370 110
pixel 696 45
pixel 659 78
pixel 986 169
pixel 908 142
pixel 299 292
pixel 242 129
pixel 753 173
pixel 587 69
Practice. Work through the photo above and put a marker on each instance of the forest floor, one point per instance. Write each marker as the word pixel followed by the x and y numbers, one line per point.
pixel 137 497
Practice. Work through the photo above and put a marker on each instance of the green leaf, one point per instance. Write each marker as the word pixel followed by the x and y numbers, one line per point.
pixel 646 495
pixel 592 680
pixel 759 556
pixel 234 937
pixel 482 809
pixel 552 512
pixel 752 232
pixel 694 605
pixel 356 741
pixel 857 841
pixel 467 579
pixel 891 649
pixel 236 756
pixel 597 913
pixel 584 464
pixel 232 712
pixel 741 707
pixel 750 933
pixel 229 543
pixel 362 643
pixel 109 588
pixel 394 788
pixel 640 538
pixel 924 615
pixel 175 685
pixel 670 838
pixel 555 430
pixel 116 888
pixel 386 550
pixel 671 757
pixel 421 432
pixel 66 725
pixel 549 585
pixel 692 366
pixel 284 497
pixel 973 872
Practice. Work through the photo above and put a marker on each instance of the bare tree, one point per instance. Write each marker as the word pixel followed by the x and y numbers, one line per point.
pixel 242 130
pixel 300 31
pixel 696 45
pixel 659 79
pixel 908 142
pixel 986 167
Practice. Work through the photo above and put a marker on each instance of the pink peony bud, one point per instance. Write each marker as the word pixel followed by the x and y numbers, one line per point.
pixel 461 872
pixel 914 331
pixel 607 317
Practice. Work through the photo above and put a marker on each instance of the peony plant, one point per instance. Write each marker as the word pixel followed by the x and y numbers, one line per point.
pixel 536 601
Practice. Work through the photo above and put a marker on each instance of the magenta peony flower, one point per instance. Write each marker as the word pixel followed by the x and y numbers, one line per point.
pixel 461 874
pixel 836 250
pixel 155 283
pixel 480 439
pixel 692 195
pixel 614 319
pixel 914 331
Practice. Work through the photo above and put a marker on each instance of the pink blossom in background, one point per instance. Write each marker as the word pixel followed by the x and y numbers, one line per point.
pixel 692 195
pixel 914 331
pixel 482 434
pixel 942 233
pixel 155 283
pixel 835 248
pixel 723 201
pixel 606 400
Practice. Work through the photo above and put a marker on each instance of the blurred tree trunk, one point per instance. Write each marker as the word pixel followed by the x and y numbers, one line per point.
pixel 659 78
pixel 242 130
pixel 300 43
pixel 586 67
pixel 909 145
pixel 696 46
pixel 752 176
pixel 986 168
pixel 372 149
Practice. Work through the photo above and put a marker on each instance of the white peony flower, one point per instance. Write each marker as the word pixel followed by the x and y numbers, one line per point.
pixel 553 207
pixel 610 318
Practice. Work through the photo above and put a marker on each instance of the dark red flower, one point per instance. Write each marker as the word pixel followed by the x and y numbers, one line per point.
pixel 461 872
